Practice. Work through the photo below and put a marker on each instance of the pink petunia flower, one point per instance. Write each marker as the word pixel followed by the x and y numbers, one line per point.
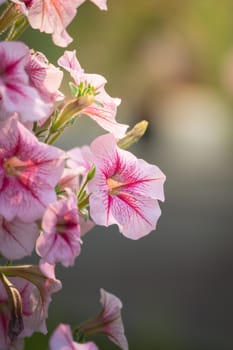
pixel 60 240
pixel 62 339
pixel 110 317
pixel 80 159
pixel 104 107
pixel 124 190
pixel 53 16
pixel 29 172
pixel 69 179
pixel 86 225
pixel 45 77
pixel 17 238
pixel 17 94
pixel 108 322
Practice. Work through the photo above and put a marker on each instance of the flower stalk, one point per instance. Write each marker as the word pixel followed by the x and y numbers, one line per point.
pixel 9 16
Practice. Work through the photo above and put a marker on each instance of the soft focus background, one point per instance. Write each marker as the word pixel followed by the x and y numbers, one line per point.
pixel 171 62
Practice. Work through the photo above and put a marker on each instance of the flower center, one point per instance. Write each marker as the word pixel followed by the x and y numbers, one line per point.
pixel 13 166
pixel 28 3
pixel 114 186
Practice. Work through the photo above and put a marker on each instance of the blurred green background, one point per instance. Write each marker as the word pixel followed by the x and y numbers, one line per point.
pixel 171 62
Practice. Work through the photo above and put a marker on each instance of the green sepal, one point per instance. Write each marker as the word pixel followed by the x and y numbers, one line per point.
pixel 74 89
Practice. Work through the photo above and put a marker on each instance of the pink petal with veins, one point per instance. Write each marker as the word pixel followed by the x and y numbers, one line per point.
pixel 16 92
pixel 60 240
pixel 17 239
pixel 29 172
pixel 124 190
pixel 104 108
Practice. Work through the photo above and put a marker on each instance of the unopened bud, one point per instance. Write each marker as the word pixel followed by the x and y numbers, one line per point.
pixel 133 135
pixel 91 173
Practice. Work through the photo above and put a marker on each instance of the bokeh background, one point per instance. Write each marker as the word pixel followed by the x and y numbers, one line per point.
pixel 171 62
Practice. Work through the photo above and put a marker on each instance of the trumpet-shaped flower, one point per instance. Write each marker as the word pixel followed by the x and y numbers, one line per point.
pixel 29 172
pixel 60 240
pixel 111 320
pixel 103 107
pixel 62 339
pixel 16 92
pixel 17 238
pixel 108 322
pixel 53 16
pixel 124 190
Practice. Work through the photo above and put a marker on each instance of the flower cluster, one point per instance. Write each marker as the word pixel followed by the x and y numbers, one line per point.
pixel 49 199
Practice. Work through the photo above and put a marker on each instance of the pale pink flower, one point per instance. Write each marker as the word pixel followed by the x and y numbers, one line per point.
pixel 16 92
pixel 109 321
pixel 53 16
pixel 29 172
pixel 70 179
pixel 62 339
pixel 45 77
pixel 80 159
pixel 85 225
pixel 60 240
pixel 124 190
pixel 17 238
pixel 104 107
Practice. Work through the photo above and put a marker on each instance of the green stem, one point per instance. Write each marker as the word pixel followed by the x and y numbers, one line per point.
pixel 71 110
pixel 53 139
pixel 8 17
pixel 17 29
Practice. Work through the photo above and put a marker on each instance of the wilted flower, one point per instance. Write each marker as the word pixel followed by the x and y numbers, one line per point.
pixel 43 284
pixel 29 304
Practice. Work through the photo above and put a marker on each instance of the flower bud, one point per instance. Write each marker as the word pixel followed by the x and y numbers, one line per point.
pixel 133 135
